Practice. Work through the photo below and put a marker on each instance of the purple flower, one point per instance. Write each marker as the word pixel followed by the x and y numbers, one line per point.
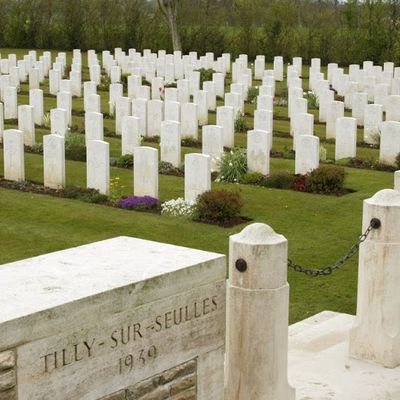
pixel 139 202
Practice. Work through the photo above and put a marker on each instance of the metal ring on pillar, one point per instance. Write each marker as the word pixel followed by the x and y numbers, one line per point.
pixel 375 223
pixel 241 265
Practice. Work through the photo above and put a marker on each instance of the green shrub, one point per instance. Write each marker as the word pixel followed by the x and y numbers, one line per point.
pixel 252 94
pixel 218 206
pixel 253 178
pixel 280 180
pixel 83 194
pixel 125 161
pixel 205 75
pixel 325 179
pixel 312 100
pixel 166 168
pixel 240 123
pixel 75 148
pixel 233 165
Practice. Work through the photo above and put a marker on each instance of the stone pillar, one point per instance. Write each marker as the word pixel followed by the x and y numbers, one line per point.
pixel 54 161
pixel 375 334
pixel 257 316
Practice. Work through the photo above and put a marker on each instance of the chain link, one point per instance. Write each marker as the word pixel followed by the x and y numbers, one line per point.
pixel 341 262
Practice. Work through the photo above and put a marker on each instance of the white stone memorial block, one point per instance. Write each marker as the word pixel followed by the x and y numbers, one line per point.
pixel 233 100
pixel 263 121
pixel 4 83
pixel 139 110
pixel 256 362
pixel 116 91
pixel 303 124
pixel 278 68
pixel 94 126
pixel 209 87
pixel 64 101
pixel 90 341
pixel 307 154
pixel 197 176
pixel 10 103
pixel 200 99
pixel 115 74
pixel 352 87
pixel 14 77
pixel 93 103
pixel 335 111
pixel 157 86
pixel 66 86
pixel 34 82
pixel 26 124
pixel 144 92
pixel 154 117
pixel 145 171
pixel 226 119
pixel 170 142
pixel 390 142
pixel 123 108
pixel 131 137
pixel 266 91
pixel 13 154
pixel 213 144
pixel 373 117
pixel 359 103
pixel 381 93
pixel 98 166
pixel 346 138
pixel 258 149
pixel 194 82
pixel 298 64
pixel 375 335
pixel 54 161
pixel 172 111
pixel 189 121
pixel 58 122
pixel 54 81
pixel 259 67
pixel 393 108
pixel 36 101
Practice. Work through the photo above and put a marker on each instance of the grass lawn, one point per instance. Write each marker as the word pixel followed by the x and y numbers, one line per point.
pixel 320 229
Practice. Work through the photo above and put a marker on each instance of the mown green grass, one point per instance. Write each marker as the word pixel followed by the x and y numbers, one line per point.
pixel 319 228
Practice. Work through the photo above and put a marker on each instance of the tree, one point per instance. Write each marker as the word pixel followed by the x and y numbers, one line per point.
pixel 169 9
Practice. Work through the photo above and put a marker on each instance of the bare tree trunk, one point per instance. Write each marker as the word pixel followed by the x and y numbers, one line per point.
pixel 169 9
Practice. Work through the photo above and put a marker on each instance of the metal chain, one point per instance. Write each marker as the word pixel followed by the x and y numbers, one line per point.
pixel 374 224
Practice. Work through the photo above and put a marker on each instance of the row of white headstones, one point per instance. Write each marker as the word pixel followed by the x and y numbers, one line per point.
pixel 143 113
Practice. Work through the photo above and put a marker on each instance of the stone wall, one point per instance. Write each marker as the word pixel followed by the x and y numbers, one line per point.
pixel 178 383
pixel 8 379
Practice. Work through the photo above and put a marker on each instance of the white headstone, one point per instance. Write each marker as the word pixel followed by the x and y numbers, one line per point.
pixel 13 154
pixel 26 124
pixel 373 117
pixel 93 103
pixel 172 111
pixel 94 126
pixel 303 124
pixel 116 91
pixel 170 143
pixel 197 175
pixel 359 103
pixel 123 108
pixel 226 119
pixel 189 121
pixel 64 101
pixel 209 87
pixel 98 166
pixel 145 170
pixel 390 142
pixel 154 117
pixel 54 161
pixel 88 89
pixel 200 99
pixel 397 180
pixel 1 122
pixel 139 110
pixel 393 108
pixel 307 154
pixel 58 122
pixel 213 144
pixel 36 101
pixel 131 137
pixel 346 138
pixel 335 110
pixel 258 149
pixel 10 103
pixel 34 79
